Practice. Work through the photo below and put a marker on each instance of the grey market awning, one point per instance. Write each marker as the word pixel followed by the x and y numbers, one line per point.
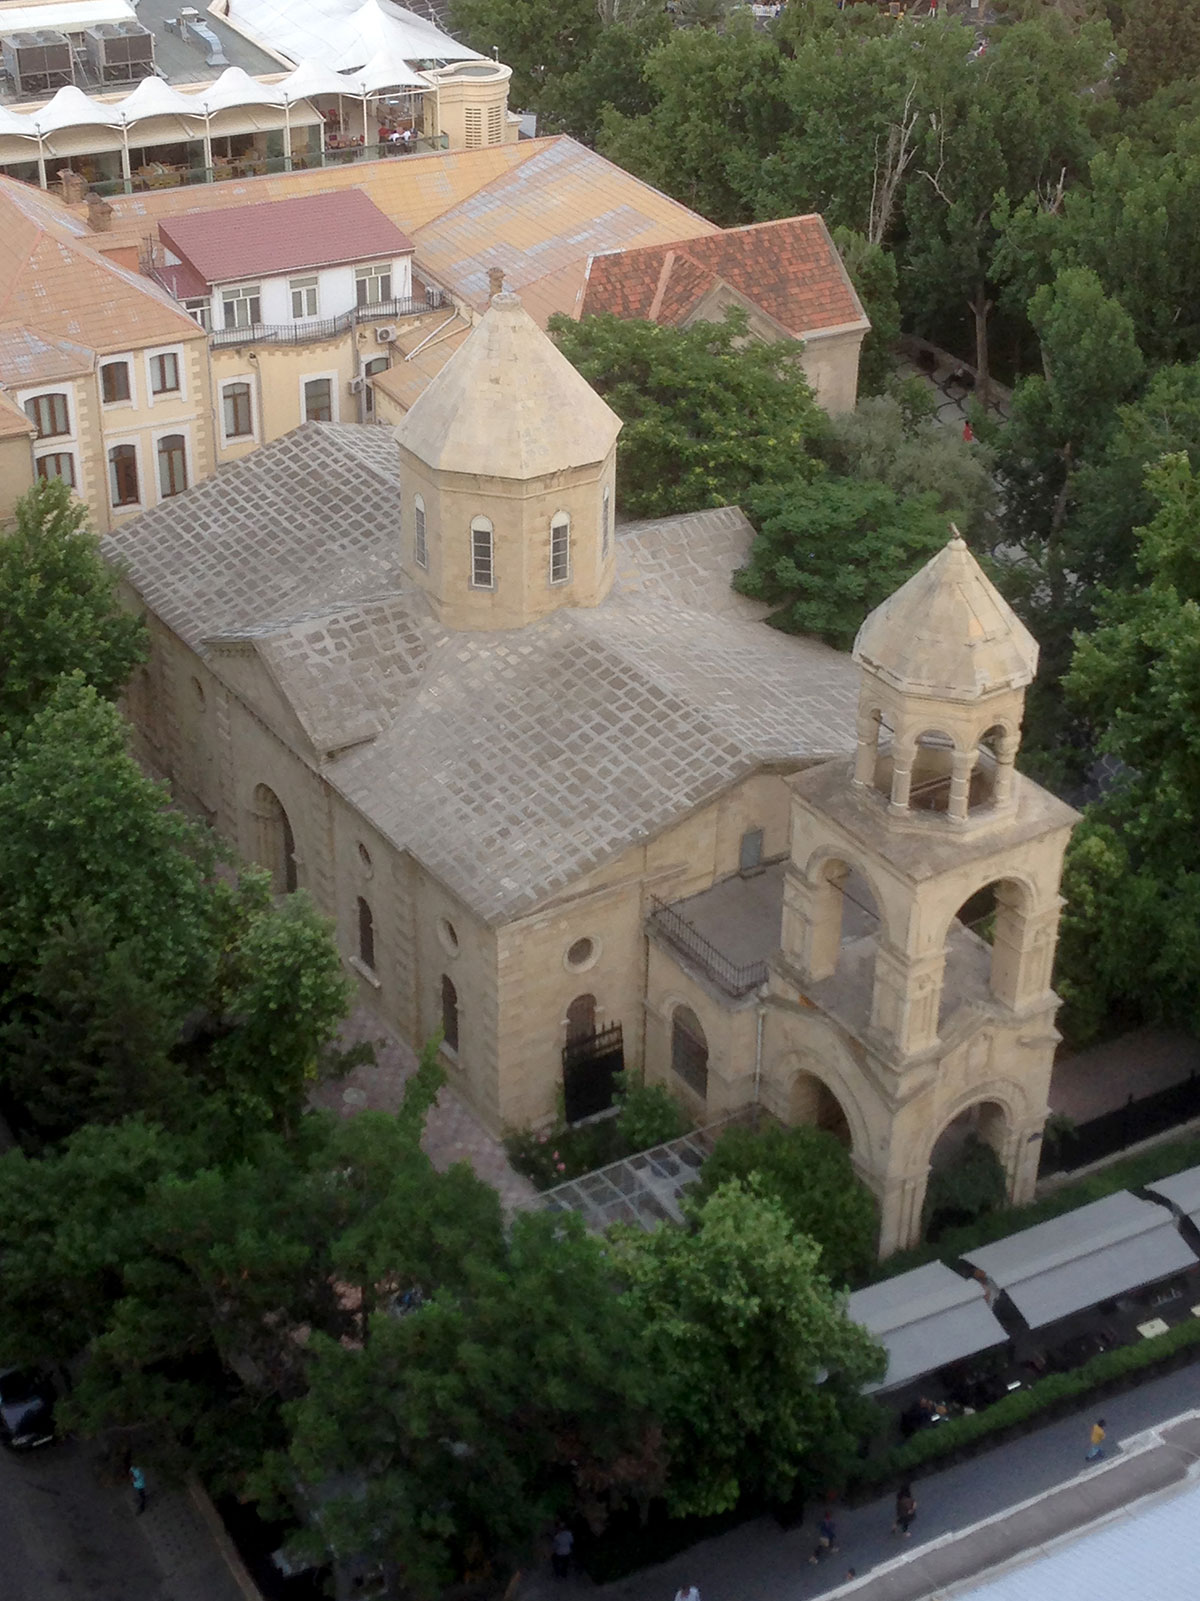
pixel 925 1319
pixel 1085 1257
pixel 1181 1191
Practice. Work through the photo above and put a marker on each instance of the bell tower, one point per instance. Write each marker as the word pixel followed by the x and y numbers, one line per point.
pixel 507 476
pixel 921 900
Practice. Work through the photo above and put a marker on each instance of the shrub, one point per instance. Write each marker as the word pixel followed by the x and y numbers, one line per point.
pixel 965 1188
pixel 649 1114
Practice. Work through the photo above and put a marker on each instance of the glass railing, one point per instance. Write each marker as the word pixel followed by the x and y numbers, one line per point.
pixel 255 166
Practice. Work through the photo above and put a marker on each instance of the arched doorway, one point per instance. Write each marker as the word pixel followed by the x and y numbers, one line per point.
pixel 966 1168
pixel 814 1104
pixel 276 842
pixel 844 913
pixel 581 1017
pixel 981 944
pixel 689 1050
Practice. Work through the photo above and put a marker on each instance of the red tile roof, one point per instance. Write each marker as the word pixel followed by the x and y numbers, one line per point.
pixel 790 268
pixel 283 236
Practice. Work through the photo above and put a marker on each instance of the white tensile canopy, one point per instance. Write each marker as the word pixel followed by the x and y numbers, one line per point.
pixel 71 108
pixel 155 98
pixel 336 30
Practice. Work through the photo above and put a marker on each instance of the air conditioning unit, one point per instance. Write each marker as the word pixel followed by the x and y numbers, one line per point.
pixel 386 334
pixel 357 385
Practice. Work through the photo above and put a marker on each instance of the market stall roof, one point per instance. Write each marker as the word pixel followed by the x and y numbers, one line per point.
pixel 925 1319
pixel 1084 1257
pixel 1181 1191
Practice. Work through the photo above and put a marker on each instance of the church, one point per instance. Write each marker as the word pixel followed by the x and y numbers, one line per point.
pixel 573 806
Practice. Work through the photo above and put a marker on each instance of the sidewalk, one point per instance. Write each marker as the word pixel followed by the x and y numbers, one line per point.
pixel 762 1562
pixel 191 1553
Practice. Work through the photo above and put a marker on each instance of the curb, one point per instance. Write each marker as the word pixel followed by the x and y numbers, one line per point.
pixel 220 1537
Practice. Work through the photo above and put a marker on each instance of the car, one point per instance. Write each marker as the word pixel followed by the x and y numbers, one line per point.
pixel 27 1398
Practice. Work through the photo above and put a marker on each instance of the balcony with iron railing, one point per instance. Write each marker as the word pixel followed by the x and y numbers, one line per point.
pixel 313 330
pixel 728 932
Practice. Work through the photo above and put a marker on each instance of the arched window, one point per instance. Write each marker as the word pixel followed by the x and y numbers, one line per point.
pixel 689 1050
pixel 581 1017
pixel 483 573
pixel 366 935
pixel 172 465
pixel 276 842
pixel 123 475
pixel 560 548
pixel 606 522
pixel 49 414
pixel 449 1012
pixel 420 549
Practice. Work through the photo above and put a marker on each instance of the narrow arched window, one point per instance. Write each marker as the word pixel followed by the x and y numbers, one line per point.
pixel 123 475
pixel 366 935
pixel 689 1050
pixel 449 1012
pixel 560 548
pixel 483 573
pixel 420 549
pixel 606 523
pixel 172 465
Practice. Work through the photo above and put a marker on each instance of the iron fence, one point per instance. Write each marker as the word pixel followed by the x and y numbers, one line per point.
pixel 305 333
pixel 1069 1148
pixel 734 979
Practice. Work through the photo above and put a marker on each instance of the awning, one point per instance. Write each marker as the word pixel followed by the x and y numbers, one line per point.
pixel 150 131
pixel 1181 1191
pixel 925 1319
pixel 1085 1257
pixel 67 16
pixel 83 141
pixel 71 108
pixel 386 70
pixel 236 88
pixel 314 78
pixel 261 119
pixel 154 98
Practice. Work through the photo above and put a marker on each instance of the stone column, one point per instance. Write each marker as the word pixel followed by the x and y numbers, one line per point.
pixel 960 785
pixel 867 752
pixel 902 760
pixel 1006 755
pixel 905 999
pixel 1023 952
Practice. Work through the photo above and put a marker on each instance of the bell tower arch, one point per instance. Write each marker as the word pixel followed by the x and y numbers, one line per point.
pixel 950 984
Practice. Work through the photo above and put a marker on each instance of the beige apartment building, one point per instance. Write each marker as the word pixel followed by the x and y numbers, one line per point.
pixel 571 805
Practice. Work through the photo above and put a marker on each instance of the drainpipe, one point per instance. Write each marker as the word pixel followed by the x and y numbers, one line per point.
pixel 760 1015
pixel 432 335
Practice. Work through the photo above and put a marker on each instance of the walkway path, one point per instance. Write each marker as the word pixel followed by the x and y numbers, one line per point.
pixel 1102 1078
pixel 762 1562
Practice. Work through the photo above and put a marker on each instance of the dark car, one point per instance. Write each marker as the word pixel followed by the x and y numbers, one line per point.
pixel 26 1408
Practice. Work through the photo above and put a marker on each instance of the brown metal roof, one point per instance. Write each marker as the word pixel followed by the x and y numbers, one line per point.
pixel 251 241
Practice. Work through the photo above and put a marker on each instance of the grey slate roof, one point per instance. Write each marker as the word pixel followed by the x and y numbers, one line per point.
pixel 509 763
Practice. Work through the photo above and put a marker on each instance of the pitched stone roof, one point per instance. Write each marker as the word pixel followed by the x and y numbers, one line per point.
pixel 55 283
pixel 948 633
pixel 508 763
pixel 791 269
pixel 283 235
pixel 510 405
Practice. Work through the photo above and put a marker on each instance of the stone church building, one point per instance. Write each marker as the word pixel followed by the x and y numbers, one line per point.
pixel 571 803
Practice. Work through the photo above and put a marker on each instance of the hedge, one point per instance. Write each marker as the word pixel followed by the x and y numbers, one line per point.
pixel 950 1437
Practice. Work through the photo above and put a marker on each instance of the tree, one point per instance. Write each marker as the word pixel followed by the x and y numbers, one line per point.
pixel 541 40
pixel 873 273
pixel 759 1369
pixel 1160 44
pixel 611 74
pixel 58 607
pixel 706 416
pixel 809 1173
pixel 829 551
pixel 1129 946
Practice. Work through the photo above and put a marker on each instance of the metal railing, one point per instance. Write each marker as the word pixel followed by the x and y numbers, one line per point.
pixel 735 980
pixel 305 333
pixel 257 166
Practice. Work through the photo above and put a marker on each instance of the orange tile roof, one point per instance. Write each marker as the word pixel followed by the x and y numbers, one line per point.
pixel 791 269
pixel 425 349
pixel 13 421
pixel 55 284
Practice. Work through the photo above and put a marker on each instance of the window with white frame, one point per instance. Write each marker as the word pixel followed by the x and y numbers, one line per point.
pixel 606 523
pixel 420 548
pixel 172 465
pixel 241 306
pixel 164 373
pixel 373 285
pixel 237 412
pixel 304 296
pixel 318 400
pixel 560 548
pixel 123 475
pixel 482 566
pixel 49 414
pixel 59 464
pixel 199 311
pixel 114 382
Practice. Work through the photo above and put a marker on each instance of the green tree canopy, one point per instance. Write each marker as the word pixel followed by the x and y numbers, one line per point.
pixel 706 415
pixel 58 607
pixel 542 41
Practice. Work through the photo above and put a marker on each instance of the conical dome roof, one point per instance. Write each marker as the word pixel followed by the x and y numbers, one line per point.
pixel 948 633
pixel 508 404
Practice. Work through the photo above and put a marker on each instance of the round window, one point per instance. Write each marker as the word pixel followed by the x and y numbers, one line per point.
pixel 581 954
pixel 448 935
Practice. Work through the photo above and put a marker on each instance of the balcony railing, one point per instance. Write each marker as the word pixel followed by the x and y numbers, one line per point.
pixel 307 333
pixel 735 980
pixel 256 165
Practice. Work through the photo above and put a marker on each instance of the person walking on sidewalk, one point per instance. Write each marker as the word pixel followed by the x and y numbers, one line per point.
pixel 138 1479
pixel 826 1538
pixel 906 1510
pixel 1096 1449
pixel 687 1592
pixel 560 1551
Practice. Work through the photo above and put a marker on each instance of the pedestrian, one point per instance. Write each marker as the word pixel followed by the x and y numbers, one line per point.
pixel 561 1547
pixel 906 1510
pixel 826 1538
pixel 138 1479
pixel 1096 1449
pixel 687 1592
pixel 968 433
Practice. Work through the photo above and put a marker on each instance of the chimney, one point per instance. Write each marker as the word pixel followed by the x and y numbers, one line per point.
pixel 100 213
pixel 74 186
pixel 495 282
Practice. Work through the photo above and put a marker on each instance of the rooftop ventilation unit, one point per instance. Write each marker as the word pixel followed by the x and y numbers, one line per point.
pixel 194 32
pixel 38 62
pixel 120 52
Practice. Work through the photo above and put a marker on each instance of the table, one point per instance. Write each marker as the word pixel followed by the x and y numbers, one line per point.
pixel 1149 1330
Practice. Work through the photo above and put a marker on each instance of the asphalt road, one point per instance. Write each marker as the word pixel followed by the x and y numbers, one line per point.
pixel 65 1537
